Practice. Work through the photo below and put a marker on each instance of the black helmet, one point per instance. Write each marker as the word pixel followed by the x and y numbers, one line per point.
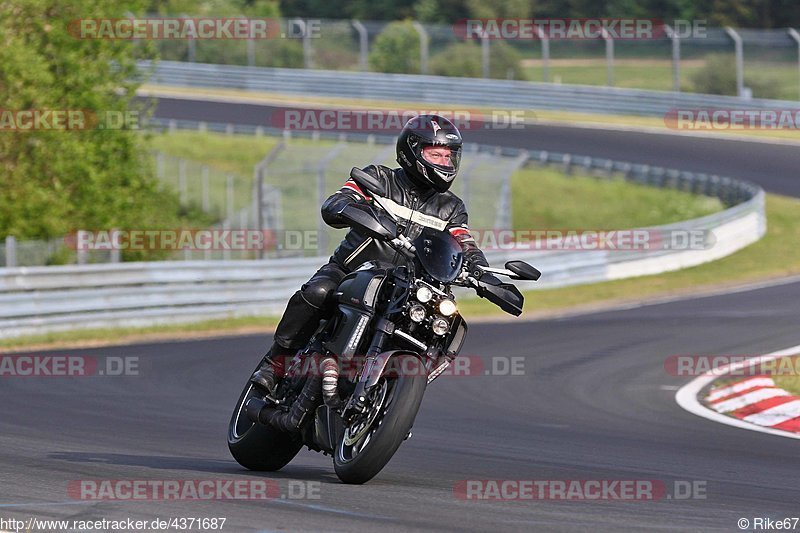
pixel 429 130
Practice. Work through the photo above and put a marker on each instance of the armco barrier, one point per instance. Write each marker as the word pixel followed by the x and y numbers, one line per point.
pixel 447 91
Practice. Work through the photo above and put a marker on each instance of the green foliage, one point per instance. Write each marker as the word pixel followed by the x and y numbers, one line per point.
pixel 396 49
pixel 464 59
pixel 738 13
pixel 55 181
pixel 719 77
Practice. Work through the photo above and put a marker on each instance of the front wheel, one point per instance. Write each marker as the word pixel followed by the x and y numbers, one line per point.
pixel 258 447
pixel 370 441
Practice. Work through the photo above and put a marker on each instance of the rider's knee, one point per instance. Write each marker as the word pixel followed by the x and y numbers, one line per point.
pixel 317 293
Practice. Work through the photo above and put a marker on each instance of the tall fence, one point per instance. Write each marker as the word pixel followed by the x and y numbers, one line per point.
pixel 760 63
pixel 283 195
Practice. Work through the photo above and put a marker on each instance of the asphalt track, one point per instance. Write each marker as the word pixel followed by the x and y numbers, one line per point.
pixel 593 402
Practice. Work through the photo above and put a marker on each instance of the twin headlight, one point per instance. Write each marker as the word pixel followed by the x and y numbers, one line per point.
pixel 446 307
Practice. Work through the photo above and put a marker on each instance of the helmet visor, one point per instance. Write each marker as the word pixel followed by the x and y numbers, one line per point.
pixel 444 160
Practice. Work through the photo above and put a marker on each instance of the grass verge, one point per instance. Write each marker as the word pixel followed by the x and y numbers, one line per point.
pixel 791 381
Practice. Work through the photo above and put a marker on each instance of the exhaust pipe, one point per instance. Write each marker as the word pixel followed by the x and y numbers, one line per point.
pixel 329 369
pixel 288 421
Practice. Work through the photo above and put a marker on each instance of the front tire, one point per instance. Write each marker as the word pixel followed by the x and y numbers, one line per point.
pixel 258 447
pixel 399 397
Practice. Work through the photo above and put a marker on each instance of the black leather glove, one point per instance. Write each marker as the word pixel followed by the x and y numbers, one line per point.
pixel 473 260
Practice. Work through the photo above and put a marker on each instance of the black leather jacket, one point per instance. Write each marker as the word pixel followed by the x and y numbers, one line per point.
pixel 413 206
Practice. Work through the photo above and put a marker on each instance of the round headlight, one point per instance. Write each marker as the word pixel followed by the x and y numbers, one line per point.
pixel 424 294
pixel 417 313
pixel 440 326
pixel 447 307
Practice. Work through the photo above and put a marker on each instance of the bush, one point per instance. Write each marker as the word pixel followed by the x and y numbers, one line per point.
pixel 719 77
pixel 280 53
pixel 396 49
pixel 465 60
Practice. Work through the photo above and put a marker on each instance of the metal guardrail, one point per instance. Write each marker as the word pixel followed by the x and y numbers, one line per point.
pixel 447 91
pixel 50 299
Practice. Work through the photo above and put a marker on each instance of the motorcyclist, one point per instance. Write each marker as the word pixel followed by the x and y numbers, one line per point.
pixel 429 152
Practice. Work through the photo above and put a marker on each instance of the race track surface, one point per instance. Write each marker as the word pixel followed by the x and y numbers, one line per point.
pixel 593 402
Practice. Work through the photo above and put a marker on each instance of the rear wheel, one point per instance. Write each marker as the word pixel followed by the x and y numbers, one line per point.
pixel 255 446
pixel 370 441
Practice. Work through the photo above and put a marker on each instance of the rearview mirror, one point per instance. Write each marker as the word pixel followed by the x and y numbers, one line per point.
pixel 523 270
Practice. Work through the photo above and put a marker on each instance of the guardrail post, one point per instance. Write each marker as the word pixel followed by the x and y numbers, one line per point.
pixel 251 53
pixel 363 45
pixel 796 36
pixel 182 182
pixel 228 197
pixel 11 251
pixel 273 216
pixel 423 47
pixel 191 50
pixel 307 61
pixel 116 255
pixel 676 58
pixel 609 57
pixel 485 59
pixel 545 53
pixel 206 201
pixel 737 42
pixel 322 237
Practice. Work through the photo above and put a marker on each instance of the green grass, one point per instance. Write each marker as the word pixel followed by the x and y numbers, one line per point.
pixel 543 198
pixel 237 154
pixel 775 255
pixel 656 74
pixel 787 382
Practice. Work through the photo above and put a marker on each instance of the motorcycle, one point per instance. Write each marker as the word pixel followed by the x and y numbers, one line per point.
pixel 405 321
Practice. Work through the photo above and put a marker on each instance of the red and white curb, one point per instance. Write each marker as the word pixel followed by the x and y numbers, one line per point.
pixel 754 403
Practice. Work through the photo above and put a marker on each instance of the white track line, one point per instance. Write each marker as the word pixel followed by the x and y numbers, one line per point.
pixel 687 396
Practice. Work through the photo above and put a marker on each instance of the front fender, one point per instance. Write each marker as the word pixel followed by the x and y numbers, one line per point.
pixel 375 368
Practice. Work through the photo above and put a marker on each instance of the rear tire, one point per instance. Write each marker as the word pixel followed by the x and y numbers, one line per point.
pixel 362 460
pixel 258 447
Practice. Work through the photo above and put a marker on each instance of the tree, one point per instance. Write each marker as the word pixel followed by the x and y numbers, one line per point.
pixel 396 49
pixel 55 180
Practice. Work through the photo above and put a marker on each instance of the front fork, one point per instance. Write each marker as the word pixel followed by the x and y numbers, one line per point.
pixel 357 403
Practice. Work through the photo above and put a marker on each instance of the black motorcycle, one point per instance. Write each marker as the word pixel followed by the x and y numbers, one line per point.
pixel 355 389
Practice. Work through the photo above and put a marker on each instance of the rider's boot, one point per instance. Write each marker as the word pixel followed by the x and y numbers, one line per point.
pixel 271 367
